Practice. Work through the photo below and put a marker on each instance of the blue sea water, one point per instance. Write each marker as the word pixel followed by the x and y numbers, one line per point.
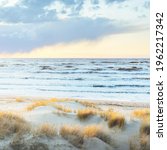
pixel 98 79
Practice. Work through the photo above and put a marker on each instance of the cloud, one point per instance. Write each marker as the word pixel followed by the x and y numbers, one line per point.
pixel 118 10
pixel 28 24
pixel 120 45
pixel 29 11
pixel 24 37
pixel 9 3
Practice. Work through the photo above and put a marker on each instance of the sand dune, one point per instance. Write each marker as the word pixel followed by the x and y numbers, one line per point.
pixel 73 124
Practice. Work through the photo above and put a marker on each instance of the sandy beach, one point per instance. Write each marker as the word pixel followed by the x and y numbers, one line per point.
pixel 52 123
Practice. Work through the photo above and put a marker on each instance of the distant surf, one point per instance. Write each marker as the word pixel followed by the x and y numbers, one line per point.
pixel 101 79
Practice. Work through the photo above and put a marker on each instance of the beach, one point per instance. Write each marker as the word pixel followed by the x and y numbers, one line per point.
pixel 61 123
pixel 64 104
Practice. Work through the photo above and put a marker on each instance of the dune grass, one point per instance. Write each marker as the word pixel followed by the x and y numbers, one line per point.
pixel 96 131
pixel 113 118
pixel 46 129
pixel 145 127
pixel 141 113
pixel 51 102
pixel 73 134
pixel 19 100
pixel 76 134
pixel 144 133
pixel 12 123
pixel 143 140
pixel 62 108
pixel 85 113
pixel 144 115
pixel 70 130
pixel 87 103
pixel 39 103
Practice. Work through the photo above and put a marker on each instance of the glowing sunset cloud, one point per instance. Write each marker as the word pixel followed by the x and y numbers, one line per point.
pixel 120 45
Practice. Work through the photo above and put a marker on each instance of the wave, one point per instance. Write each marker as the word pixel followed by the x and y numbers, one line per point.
pixel 110 76
pixel 46 68
pixel 141 78
pixel 79 79
pixel 130 69
pixel 90 91
pixel 3 65
pixel 134 62
pixel 19 64
pixel 68 66
pixel 114 86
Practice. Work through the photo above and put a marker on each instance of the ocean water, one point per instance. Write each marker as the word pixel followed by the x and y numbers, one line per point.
pixel 98 79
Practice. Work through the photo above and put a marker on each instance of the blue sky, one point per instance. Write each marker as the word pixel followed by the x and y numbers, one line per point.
pixel 29 24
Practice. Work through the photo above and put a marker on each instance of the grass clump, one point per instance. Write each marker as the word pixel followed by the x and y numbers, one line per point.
pixel 47 130
pixel 87 103
pixel 116 120
pixel 141 113
pixel 145 127
pixel 113 118
pixel 145 133
pixel 40 103
pixel 37 104
pixel 19 100
pixel 85 113
pixel 96 131
pixel 11 123
pixel 62 108
pixel 143 141
pixel 76 134
pixel 49 102
pixel 73 135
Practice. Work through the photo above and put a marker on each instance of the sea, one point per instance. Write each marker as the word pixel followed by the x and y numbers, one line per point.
pixel 95 79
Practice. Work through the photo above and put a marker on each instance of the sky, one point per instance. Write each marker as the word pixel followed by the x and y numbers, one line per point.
pixel 74 28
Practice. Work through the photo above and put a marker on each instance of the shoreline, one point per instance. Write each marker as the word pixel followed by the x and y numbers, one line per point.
pixel 99 101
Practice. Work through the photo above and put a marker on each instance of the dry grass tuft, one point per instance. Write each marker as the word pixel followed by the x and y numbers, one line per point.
pixel 145 127
pixel 144 115
pixel 113 118
pixel 96 131
pixel 76 134
pixel 141 113
pixel 91 130
pixel 62 108
pixel 70 130
pixel 116 120
pixel 85 113
pixel 73 135
pixel 87 103
pixel 11 123
pixel 49 102
pixel 37 104
pixel 47 130
pixel 143 143
pixel 40 103
pixel 20 100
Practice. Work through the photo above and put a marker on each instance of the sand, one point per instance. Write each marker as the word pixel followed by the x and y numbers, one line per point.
pixel 120 137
